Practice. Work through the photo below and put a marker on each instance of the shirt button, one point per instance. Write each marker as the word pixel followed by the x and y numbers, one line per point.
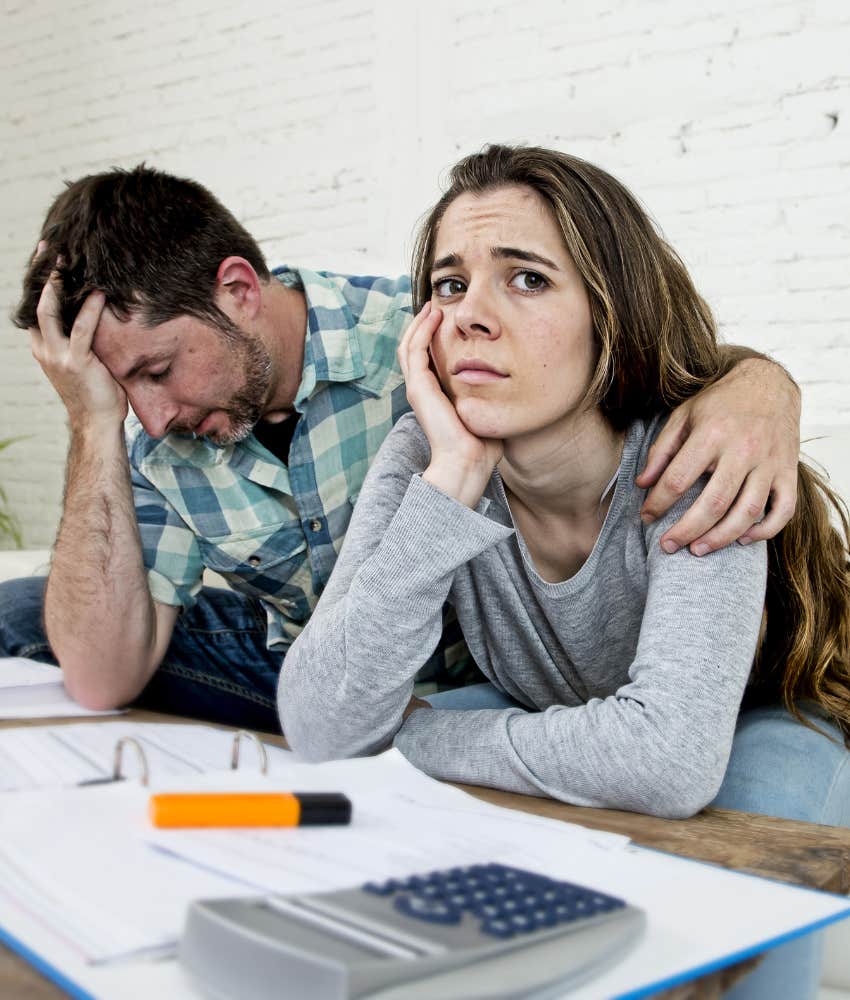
pixel 254 560
pixel 315 524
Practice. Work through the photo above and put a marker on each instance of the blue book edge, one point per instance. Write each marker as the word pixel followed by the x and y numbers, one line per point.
pixel 45 968
pixel 695 972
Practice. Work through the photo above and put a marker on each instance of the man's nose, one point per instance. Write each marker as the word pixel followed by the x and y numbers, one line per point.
pixel 153 408
pixel 475 315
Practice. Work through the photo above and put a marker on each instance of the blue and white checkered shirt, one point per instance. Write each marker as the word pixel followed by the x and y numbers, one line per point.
pixel 274 531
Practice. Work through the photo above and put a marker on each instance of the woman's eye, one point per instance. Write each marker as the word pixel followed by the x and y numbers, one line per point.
pixel 529 281
pixel 446 287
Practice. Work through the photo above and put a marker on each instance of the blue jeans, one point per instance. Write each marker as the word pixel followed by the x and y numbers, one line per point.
pixel 217 666
pixel 778 767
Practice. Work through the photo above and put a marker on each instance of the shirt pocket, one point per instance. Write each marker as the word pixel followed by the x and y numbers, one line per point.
pixel 261 562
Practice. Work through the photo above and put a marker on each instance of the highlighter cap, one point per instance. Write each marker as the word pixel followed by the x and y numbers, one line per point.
pixel 323 808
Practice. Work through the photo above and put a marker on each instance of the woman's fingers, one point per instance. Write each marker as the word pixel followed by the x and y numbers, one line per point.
pixel 413 355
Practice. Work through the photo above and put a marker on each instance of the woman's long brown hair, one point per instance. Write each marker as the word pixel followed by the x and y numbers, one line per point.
pixel 657 347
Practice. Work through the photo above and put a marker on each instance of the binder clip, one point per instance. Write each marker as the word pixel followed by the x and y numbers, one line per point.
pixel 262 756
pixel 117 759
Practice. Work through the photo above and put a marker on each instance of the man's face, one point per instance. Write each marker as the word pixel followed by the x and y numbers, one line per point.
pixel 186 376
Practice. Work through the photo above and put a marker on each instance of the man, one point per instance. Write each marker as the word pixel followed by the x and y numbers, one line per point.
pixel 259 400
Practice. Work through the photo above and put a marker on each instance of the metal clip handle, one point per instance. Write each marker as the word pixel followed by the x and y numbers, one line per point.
pixel 261 750
pixel 118 756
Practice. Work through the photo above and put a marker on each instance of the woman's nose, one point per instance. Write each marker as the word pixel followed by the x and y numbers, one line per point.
pixel 475 315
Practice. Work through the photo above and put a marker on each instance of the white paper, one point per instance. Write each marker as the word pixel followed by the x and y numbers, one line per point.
pixel 699 915
pixel 33 690
pixel 51 756
pixel 74 860
pixel 80 885
pixel 102 889
pixel 403 822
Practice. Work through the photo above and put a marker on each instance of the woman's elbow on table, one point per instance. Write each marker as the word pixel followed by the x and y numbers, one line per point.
pixel 679 793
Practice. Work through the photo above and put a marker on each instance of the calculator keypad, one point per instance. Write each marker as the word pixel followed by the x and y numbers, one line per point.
pixel 506 901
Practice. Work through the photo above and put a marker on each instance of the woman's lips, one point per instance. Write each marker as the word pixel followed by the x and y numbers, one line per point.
pixel 476 372
pixel 478 376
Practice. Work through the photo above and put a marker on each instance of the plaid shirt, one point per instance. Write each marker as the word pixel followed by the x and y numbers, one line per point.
pixel 274 531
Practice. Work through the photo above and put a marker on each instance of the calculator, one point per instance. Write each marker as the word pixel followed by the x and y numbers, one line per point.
pixel 478 931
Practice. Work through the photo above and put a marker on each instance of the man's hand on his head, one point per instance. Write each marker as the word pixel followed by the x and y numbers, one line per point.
pixel 744 430
pixel 89 392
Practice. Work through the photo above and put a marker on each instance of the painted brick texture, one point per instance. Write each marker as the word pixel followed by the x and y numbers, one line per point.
pixel 326 125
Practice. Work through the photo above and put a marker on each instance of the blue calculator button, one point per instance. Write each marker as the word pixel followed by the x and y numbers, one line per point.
pixel 492 873
pixel 415 882
pixel 499 928
pixel 436 911
pixel 544 918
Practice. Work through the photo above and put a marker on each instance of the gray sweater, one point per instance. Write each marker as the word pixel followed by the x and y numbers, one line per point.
pixel 631 671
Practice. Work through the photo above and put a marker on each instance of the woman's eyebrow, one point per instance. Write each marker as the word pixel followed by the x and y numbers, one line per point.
pixel 513 253
pixel 450 260
pixel 528 255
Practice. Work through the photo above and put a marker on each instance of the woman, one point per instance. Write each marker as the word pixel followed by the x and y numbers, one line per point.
pixel 555 330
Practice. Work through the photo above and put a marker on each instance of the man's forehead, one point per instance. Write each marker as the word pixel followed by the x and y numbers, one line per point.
pixel 122 344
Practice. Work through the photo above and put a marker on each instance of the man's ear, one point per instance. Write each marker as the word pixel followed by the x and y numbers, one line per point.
pixel 238 292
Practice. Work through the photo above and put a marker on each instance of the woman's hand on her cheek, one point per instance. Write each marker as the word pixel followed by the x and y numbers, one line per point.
pixel 461 463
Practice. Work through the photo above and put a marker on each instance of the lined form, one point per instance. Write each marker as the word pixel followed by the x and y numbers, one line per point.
pixel 57 756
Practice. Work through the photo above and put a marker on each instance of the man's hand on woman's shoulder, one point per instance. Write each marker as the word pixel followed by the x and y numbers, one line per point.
pixel 744 430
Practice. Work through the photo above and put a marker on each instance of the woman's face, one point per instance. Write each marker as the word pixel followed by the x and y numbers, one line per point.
pixel 515 350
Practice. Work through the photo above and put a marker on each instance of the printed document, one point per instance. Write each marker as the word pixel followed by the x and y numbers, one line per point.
pixel 90 887
pixel 33 690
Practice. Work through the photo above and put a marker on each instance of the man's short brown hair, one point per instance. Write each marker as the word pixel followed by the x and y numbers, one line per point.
pixel 151 242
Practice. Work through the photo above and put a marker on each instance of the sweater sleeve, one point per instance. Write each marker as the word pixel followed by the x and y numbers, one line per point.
pixel 660 744
pixel 347 679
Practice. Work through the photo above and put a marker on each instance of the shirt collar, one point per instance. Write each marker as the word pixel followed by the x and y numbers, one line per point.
pixel 331 347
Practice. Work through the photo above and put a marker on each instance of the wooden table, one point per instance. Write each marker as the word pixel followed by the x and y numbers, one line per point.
pixel 800 853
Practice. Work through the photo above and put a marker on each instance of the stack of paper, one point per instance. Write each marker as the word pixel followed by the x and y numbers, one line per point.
pixel 51 756
pixel 32 690
pixel 88 886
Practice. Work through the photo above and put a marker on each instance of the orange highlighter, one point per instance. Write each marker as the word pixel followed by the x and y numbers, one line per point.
pixel 187 809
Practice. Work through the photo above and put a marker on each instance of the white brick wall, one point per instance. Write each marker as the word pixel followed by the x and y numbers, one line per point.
pixel 325 126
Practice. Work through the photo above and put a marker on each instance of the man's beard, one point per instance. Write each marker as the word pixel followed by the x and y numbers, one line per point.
pixel 246 405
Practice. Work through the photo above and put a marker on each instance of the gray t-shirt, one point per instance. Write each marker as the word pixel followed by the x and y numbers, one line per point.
pixel 631 671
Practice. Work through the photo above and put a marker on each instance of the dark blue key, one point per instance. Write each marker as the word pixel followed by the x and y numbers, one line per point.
pixel 544 918
pixel 522 923
pixel 415 883
pixel 498 927
pixel 435 911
